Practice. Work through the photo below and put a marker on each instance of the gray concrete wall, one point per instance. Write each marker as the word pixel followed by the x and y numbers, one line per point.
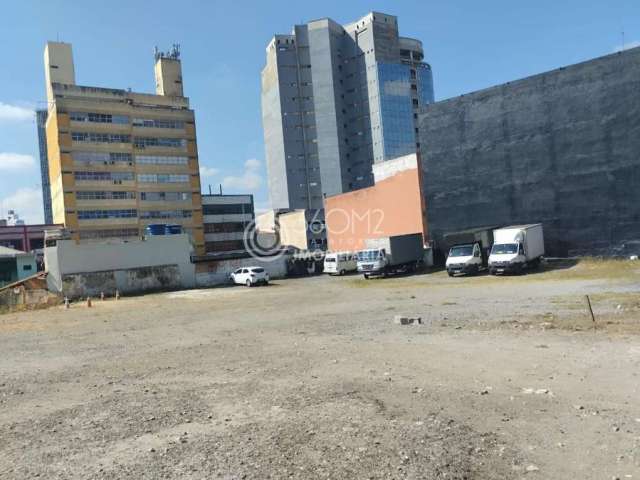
pixel 219 271
pixel 561 148
pixel 159 262
pixel 133 280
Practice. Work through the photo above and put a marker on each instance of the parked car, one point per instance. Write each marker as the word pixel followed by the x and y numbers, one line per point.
pixel 250 276
pixel 340 263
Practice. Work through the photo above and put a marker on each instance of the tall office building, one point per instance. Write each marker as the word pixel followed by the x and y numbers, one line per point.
pixel 335 100
pixel 41 124
pixel 120 160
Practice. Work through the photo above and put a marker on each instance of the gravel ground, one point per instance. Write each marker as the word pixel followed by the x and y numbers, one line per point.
pixel 311 378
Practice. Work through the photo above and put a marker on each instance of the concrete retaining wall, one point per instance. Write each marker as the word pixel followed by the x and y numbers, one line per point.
pixel 561 148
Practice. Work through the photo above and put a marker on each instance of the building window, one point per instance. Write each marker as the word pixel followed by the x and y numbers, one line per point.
pixel 94 137
pixel 143 142
pixel 161 160
pixel 100 157
pixel 226 209
pixel 155 214
pixel 27 267
pixel 104 214
pixel 103 176
pixel 157 123
pixel 99 118
pixel 165 196
pixel 224 246
pixel 100 195
pixel 162 178
pixel 225 227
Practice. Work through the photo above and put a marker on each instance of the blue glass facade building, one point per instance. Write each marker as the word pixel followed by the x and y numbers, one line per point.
pixel 335 100
pixel 396 110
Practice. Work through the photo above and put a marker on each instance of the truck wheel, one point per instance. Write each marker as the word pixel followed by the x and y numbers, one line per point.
pixel 366 276
pixel 450 274
pixel 342 272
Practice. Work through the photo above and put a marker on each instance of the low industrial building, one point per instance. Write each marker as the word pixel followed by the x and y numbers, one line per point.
pixel 25 237
pixel 225 219
pixel 303 229
pixel 297 229
pixel 16 265
pixel 560 148
pixel 394 205
pixel 157 262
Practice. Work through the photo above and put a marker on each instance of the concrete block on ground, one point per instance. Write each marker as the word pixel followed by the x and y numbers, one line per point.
pixel 404 320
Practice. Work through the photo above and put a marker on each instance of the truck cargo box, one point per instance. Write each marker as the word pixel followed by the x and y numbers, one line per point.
pixel 399 248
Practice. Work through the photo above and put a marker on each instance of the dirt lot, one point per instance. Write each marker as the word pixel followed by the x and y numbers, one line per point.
pixel 311 378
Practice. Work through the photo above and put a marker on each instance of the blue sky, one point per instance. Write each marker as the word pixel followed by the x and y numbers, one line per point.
pixel 470 44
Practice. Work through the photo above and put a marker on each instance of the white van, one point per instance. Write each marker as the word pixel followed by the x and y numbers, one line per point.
pixel 340 263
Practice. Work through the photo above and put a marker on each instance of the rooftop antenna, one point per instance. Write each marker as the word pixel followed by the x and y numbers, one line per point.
pixel 623 45
pixel 209 189
pixel 220 189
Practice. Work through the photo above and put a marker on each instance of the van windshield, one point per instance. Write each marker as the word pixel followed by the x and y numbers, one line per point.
pixel 330 260
pixel 500 248
pixel 461 251
pixel 368 255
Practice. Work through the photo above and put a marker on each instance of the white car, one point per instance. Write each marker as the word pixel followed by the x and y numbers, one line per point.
pixel 250 276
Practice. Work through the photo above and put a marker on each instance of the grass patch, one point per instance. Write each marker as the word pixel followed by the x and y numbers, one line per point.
pixel 595 268
pixel 588 268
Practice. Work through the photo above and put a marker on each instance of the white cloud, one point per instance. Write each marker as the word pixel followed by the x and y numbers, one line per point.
pixel 15 161
pixel 208 171
pixel 14 113
pixel 27 202
pixel 251 178
pixel 252 164
pixel 626 46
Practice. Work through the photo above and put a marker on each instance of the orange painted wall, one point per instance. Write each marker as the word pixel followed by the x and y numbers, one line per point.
pixel 393 206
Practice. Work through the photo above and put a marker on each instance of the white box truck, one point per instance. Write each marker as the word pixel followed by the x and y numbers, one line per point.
pixel 516 248
pixel 386 255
